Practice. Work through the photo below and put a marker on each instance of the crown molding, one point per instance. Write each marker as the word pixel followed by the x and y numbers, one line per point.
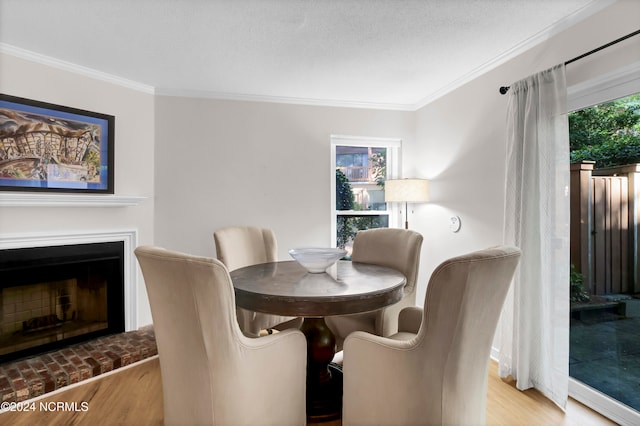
pixel 74 68
pixel 281 99
pixel 581 14
pixel 203 94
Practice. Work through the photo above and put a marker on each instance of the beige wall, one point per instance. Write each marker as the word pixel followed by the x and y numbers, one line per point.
pixel 222 163
pixel 460 138
pixel 134 155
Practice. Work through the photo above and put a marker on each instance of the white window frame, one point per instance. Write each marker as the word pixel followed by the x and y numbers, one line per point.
pixel 393 146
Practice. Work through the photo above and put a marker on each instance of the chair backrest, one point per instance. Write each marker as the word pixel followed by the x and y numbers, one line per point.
pixel 462 307
pixel 240 246
pixel 395 248
pixel 193 309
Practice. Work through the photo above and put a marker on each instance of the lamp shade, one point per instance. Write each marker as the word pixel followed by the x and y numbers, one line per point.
pixel 406 190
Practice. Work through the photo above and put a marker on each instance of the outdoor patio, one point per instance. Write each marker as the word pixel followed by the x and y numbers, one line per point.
pixel 605 350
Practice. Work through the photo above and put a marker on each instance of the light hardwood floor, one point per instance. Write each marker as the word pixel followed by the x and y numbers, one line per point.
pixel 133 396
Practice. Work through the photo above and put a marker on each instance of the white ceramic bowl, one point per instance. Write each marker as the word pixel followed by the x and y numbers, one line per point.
pixel 316 260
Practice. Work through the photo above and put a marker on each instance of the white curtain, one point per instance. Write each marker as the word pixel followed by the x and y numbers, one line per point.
pixel 534 328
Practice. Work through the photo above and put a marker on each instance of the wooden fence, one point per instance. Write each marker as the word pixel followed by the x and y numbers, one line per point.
pixel 604 227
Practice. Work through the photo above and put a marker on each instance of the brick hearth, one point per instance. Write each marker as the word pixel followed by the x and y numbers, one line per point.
pixel 34 376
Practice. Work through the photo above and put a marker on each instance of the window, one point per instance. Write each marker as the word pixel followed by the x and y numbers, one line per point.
pixel 359 168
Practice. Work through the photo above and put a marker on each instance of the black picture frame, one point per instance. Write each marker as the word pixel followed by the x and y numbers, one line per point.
pixel 54 148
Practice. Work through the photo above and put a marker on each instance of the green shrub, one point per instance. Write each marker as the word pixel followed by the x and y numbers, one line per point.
pixel 577 290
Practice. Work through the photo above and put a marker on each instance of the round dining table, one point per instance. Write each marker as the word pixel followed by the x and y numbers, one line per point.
pixel 286 288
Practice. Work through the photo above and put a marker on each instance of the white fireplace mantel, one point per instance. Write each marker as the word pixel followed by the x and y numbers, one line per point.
pixel 39 199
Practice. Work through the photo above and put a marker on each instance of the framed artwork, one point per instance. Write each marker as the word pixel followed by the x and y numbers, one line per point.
pixel 47 147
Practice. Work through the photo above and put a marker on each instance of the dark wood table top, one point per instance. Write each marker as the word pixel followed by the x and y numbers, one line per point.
pixel 286 288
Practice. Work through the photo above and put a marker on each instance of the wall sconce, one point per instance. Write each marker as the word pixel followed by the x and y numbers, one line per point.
pixel 406 191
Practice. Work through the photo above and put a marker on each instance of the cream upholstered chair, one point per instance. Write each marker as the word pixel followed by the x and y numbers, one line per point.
pixel 395 248
pixel 434 370
pixel 211 373
pixel 240 246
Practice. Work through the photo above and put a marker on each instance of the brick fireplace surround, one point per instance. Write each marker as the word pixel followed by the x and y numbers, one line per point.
pixel 34 376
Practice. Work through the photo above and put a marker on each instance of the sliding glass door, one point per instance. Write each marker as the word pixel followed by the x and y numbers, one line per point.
pixel 605 241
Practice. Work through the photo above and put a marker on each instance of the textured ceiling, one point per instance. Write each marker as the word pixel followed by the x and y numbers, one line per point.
pixel 377 53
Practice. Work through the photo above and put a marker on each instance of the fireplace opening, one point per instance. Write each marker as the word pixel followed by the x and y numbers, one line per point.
pixel 54 296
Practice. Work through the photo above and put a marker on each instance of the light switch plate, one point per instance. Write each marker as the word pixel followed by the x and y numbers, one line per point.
pixel 455 224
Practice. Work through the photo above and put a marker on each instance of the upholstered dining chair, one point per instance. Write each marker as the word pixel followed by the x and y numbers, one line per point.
pixel 211 373
pixel 434 370
pixel 391 247
pixel 240 246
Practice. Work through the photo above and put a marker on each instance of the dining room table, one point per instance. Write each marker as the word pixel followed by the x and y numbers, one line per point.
pixel 286 288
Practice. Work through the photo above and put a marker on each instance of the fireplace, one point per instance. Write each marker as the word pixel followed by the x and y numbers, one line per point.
pixel 54 296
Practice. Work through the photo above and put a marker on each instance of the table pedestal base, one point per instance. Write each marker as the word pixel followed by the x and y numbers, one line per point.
pixel 324 380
